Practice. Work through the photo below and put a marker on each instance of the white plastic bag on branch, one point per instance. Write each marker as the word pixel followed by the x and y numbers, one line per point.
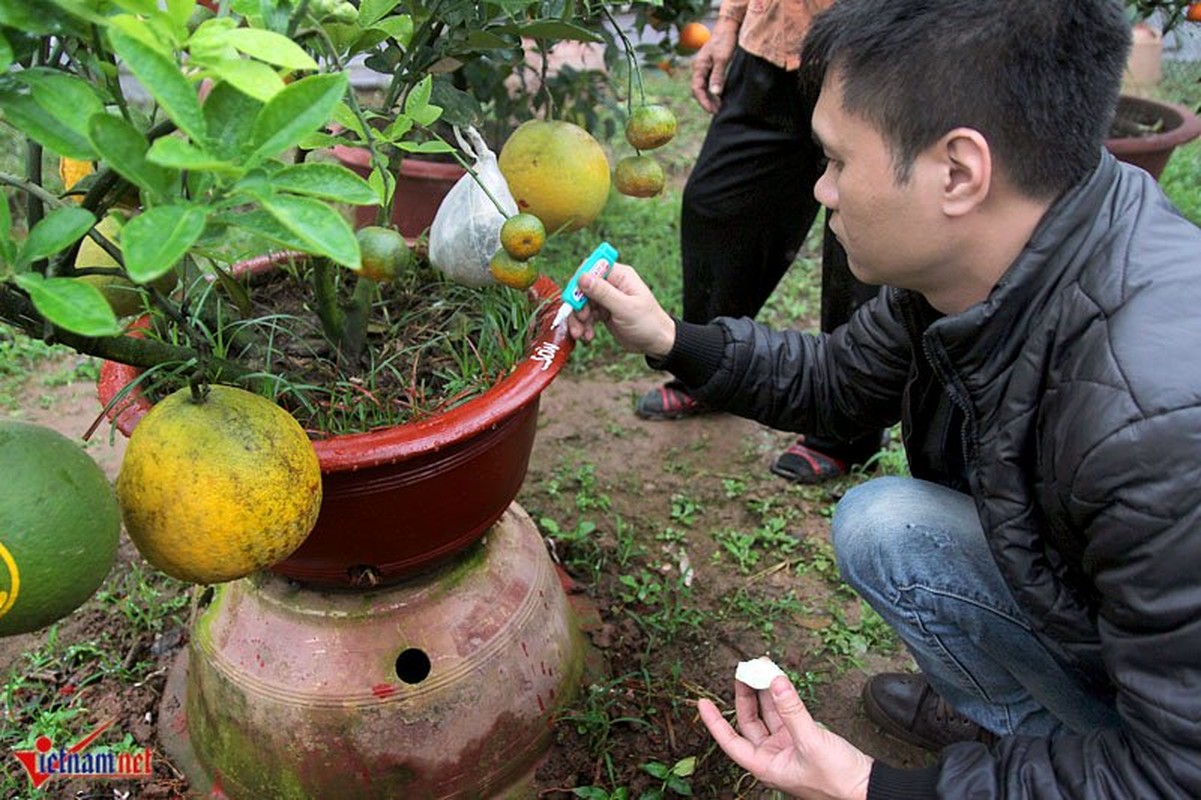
pixel 466 230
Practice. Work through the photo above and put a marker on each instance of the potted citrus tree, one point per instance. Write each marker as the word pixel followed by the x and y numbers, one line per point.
pixel 174 218
pixel 192 127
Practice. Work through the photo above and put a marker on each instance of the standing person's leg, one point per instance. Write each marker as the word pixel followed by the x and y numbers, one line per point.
pixel 916 552
pixel 815 458
pixel 747 206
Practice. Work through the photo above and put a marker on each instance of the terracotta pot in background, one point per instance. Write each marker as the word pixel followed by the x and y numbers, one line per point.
pixel 420 187
pixel 1176 124
pixel 1144 67
pixel 401 499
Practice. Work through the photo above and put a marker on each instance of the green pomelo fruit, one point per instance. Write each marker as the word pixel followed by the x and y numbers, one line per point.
pixel 59 527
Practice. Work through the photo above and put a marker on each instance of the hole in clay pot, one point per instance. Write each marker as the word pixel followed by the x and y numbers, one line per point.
pixel 364 576
pixel 412 665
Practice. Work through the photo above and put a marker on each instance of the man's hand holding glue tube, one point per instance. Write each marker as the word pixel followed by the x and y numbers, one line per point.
pixel 625 304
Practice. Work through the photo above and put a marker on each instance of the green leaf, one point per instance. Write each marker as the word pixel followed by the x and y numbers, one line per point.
pixel 141 29
pixel 557 29
pixel 371 11
pixel 68 99
pixel 56 231
pixel 486 40
pixel 417 104
pixel 230 116
pixel 679 786
pixel 8 248
pixel 383 183
pixel 419 97
pixel 24 114
pixel 322 229
pixel 318 141
pixel 260 223
pixel 153 241
pixel 433 146
pixel 399 28
pixel 124 147
pixel 684 767
pixel 209 42
pixel 398 128
pixel 656 769
pixel 249 77
pixel 74 305
pixel 344 116
pixel 328 181
pixel 298 110
pixel 590 793
pixel 24 16
pixel 6 53
pixel 167 85
pixel 179 11
pixel 274 48
pixel 235 291
pixel 178 154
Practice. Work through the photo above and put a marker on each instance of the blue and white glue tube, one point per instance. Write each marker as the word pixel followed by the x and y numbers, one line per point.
pixel 599 263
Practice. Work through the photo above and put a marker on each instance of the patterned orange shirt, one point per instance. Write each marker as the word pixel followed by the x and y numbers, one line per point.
pixel 773 29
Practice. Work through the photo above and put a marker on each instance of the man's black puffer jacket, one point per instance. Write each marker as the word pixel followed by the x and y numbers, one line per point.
pixel 1076 400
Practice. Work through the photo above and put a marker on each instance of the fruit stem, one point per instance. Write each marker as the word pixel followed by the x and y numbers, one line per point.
pixel 635 70
pixel 384 212
pixel 199 387
pixel 475 176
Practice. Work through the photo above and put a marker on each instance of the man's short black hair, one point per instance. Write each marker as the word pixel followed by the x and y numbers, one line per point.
pixel 1039 79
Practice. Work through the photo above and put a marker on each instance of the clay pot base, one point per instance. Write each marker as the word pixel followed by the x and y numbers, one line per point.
pixel 442 686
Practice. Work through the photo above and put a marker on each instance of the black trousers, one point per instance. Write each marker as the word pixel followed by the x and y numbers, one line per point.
pixel 748 206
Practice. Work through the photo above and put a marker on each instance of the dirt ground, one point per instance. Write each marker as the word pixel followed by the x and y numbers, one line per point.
pixel 653 491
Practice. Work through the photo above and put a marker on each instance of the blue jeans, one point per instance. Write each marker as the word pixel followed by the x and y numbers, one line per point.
pixel 916 552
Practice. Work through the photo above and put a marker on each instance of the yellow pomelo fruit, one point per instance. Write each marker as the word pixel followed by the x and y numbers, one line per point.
pixel 122 294
pixel 59 526
pixel 72 171
pixel 512 272
pixel 557 172
pixel 638 176
pixel 216 490
pixel 650 126
pixel 522 236
pixel 385 253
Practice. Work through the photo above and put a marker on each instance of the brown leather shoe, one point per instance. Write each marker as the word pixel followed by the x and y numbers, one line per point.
pixel 905 706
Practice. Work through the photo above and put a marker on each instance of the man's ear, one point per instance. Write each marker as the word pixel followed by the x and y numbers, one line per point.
pixel 969 171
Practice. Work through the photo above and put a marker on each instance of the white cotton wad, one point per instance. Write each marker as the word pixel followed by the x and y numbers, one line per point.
pixel 757 673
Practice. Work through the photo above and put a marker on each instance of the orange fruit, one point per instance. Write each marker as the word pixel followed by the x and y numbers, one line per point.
pixel 59 526
pixel 522 236
pixel 557 172
pixel 650 126
pixel 693 37
pixel 1194 12
pixel 638 176
pixel 212 491
pixel 512 272
pixel 385 253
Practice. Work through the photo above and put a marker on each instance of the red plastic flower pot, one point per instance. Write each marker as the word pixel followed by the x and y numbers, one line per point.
pixel 401 499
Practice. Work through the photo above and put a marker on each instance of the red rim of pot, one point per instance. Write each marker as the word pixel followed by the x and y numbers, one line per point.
pixel 545 356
